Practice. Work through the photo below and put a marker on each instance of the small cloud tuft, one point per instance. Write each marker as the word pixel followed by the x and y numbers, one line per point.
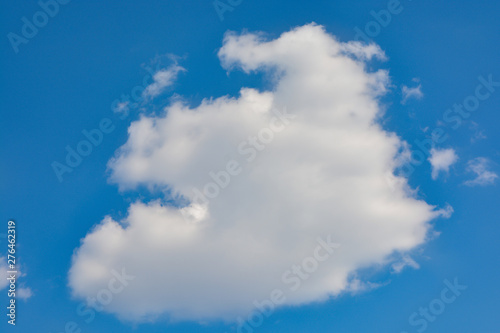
pixel 406 261
pixel 411 93
pixel 161 80
pixel 24 293
pixel 441 160
pixel 484 177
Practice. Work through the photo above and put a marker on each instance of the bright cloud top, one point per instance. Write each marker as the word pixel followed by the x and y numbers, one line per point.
pixel 441 160
pixel 262 176
pixel 480 166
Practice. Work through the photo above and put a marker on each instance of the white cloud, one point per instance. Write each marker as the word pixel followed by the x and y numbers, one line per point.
pixel 441 160
pixel 321 172
pixel 478 133
pixel 122 107
pixel 161 80
pixel 406 261
pixel 409 93
pixel 24 293
pixel 480 166
pixel 447 211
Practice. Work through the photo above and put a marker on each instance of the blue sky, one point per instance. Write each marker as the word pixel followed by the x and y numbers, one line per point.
pixel 66 78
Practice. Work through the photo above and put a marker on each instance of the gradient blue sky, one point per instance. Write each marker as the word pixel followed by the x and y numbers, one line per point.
pixel 65 79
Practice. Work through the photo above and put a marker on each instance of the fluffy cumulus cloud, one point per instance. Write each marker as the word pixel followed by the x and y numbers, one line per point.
pixel 480 166
pixel 256 180
pixel 441 160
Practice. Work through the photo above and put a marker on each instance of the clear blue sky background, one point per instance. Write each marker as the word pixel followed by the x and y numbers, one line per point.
pixel 66 77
